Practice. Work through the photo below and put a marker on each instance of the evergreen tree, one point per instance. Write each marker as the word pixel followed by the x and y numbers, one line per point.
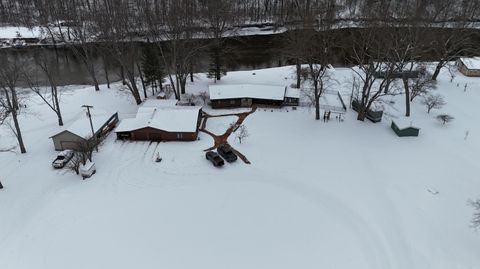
pixel 216 67
pixel 152 67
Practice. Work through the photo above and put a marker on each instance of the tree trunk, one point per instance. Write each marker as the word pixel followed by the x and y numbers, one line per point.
pixel 299 72
pixel 362 113
pixel 15 101
pixel 91 71
pixel 317 102
pixel 437 70
pixel 217 64
pixel 132 85
pixel 183 84
pixel 407 97
pixel 57 107
pixel 105 68
pixel 18 132
pixel 95 82
pixel 135 93
pixel 142 80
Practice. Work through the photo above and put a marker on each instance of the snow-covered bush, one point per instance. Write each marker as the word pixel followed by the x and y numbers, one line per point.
pixel 445 118
pixel 241 133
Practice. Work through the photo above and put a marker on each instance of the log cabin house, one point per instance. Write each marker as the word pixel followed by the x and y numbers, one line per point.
pixel 248 95
pixel 159 121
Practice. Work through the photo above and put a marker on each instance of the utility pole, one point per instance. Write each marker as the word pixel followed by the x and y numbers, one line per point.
pixel 90 118
pixel 91 125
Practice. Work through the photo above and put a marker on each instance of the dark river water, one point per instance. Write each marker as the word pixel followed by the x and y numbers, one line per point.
pixel 245 53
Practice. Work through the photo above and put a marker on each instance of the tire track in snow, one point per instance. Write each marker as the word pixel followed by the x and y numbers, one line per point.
pixel 373 248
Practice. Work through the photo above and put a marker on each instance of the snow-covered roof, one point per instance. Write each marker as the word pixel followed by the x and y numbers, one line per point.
pixel 256 91
pixel 169 119
pixel 403 123
pixel 81 126
pixel 85 168
pixel 471 63
pixel 160 103
pixel 292 93
pixel 10 32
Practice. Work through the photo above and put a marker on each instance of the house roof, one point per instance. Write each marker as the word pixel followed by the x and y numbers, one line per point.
pixel 160 103
pixel 81 126
pixel 256 91
pixel 292 93
pixel 404 123
pixel 169 119
pixel 471 63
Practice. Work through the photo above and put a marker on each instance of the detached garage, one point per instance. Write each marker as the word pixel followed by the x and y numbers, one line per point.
pixel 162 124
pixel 470 67
pixel 80 131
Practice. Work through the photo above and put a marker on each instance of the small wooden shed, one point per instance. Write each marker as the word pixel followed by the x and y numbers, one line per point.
pixel 403 128
pixel 470 67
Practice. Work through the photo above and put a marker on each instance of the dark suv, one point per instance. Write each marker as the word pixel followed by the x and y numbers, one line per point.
pixel 214 158
pixel 227 153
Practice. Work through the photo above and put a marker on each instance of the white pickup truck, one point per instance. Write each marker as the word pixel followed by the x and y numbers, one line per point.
pixel 62 158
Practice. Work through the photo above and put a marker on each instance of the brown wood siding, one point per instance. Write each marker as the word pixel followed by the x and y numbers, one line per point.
pixel 468 72
pixel 226 103
pixel 265 102
pixel 233 103
pixel 152 134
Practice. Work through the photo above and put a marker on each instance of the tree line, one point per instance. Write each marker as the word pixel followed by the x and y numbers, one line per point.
pixel 386 41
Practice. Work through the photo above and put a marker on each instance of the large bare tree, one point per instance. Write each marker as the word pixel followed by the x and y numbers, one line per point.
pixel 51 97
pixel 10 73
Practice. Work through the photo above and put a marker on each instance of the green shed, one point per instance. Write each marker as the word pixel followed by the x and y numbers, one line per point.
pixel 402 128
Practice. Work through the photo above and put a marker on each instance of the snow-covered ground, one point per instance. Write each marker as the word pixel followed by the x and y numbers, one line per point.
pixel 317 195
pixel 10 32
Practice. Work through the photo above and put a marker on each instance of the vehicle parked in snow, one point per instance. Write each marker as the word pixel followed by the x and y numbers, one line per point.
pixel 88 169
pixel 226 152
pixel 62 159
pixel 214 158
pixel 19 43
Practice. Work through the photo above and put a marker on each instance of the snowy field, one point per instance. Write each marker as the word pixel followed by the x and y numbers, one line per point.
pixel 317 195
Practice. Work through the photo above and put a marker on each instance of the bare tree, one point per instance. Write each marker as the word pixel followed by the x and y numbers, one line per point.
pixel 433 102
pixel 75 163
pixel 422 84
pixel 204 96
pixel 50 97
pixel 83 153
pixel 10 72
pixel 445 118
pixel 241 133
pixel 375 77
pixel 116 21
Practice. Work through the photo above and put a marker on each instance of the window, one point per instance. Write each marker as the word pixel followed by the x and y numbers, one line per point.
pixel 179 136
